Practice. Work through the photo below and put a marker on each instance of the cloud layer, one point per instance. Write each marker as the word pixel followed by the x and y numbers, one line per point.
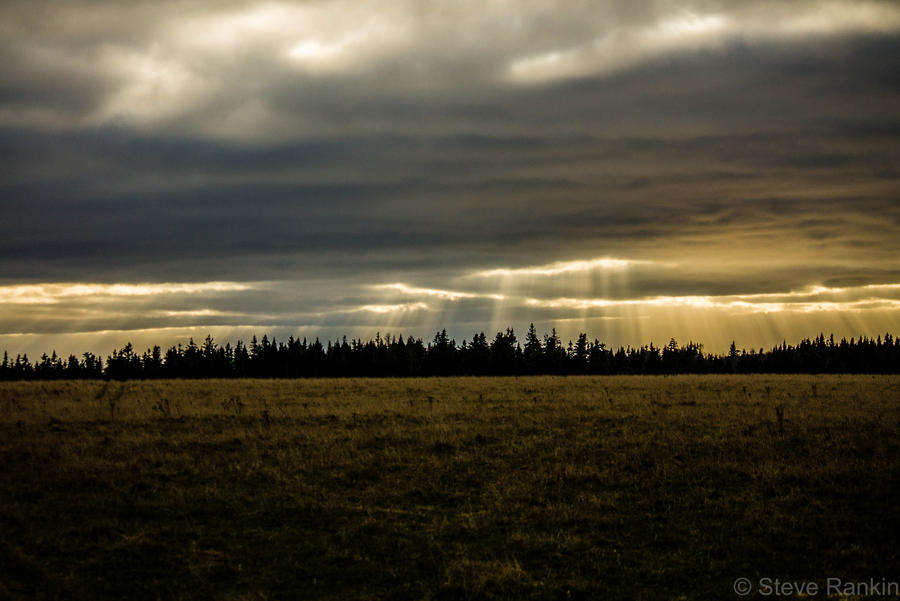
pixel 318 153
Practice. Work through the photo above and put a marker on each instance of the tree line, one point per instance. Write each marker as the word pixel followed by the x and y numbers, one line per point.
pixel 504 355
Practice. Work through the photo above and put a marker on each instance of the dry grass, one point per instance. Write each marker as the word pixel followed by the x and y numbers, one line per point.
pixel 545 487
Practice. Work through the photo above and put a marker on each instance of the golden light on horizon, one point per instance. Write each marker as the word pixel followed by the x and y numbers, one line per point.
pixel 739 304
pixel 450 295
pixel 399 307
pixel 52 293
pixel 417 310
pixel 560 267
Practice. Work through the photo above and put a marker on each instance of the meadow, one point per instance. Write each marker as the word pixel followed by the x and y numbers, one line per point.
pixel 632 487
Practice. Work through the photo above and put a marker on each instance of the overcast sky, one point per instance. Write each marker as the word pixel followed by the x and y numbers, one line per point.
pixel 707 170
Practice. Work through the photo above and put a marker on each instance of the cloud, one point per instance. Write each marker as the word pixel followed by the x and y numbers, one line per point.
pixel 54 293
pixel 559 267
pixel 478 153
pixel 263 70
pixel 450 295
pixel 809 301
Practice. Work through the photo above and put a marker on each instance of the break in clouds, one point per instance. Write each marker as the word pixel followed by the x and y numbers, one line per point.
pixel 640 170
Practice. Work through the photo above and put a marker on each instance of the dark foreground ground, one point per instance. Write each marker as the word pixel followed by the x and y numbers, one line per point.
pixel 506 488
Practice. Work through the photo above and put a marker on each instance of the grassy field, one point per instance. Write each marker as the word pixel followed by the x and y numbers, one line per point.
pixel 496 488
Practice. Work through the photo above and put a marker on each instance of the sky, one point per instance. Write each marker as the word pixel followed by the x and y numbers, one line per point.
pixel 707 170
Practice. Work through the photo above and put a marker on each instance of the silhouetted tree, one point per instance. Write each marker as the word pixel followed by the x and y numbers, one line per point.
pixel 396 356
pixel 534 352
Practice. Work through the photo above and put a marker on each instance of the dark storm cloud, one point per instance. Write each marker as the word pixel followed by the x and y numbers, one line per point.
pixel 130 197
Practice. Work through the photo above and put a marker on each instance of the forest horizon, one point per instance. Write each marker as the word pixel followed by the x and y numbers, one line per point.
pixel 503 355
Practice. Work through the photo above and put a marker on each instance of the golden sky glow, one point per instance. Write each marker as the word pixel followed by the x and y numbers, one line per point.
pixel 56 292
pixel 507 297
pixel 451 295
pixel 400 307
pixel 559 267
